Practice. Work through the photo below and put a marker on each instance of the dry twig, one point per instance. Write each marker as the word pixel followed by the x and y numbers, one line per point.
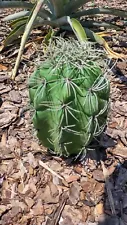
pixel 50 170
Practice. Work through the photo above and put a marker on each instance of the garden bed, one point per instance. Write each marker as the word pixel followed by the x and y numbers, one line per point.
pixel 38 188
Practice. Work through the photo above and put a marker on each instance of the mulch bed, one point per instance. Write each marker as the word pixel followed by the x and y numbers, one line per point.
pixel 37 188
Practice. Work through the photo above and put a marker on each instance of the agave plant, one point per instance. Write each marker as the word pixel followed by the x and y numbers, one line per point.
pixel 55 13
pixel 70 96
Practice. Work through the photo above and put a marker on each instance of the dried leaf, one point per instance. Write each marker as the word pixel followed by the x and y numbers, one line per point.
pixel 3 68
pixel 32 161
pixel 50 194
pixel 15 96
pixel 6 118
pixel 74 193
pixel 17 203
pixel 4 89
pixel 29 201
pixel 37 209
pixel 72 178
pixel 22 169
pixel 71 216
pixel 55 166
pixel 98 175
pixel 99 209
pixel 32 184
pixel 3 208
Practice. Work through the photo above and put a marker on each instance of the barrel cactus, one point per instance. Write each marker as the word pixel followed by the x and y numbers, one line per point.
pixel 70 96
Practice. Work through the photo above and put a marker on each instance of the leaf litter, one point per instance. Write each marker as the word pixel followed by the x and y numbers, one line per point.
pixel 38 188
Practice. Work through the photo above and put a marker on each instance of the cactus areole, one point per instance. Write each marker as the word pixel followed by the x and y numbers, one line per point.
pixel 70 94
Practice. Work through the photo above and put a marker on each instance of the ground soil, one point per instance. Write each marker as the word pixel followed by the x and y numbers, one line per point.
pixel 38 188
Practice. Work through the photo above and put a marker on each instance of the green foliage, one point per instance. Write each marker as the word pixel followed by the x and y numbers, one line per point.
pixel 54 13
pixel 70 96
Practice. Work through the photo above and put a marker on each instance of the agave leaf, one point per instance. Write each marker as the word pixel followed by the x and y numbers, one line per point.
pixel 53 23
pixel 16 4
pixel 73 5
pixel 14 34
pixel 95 11
pixel 58 6
pixel 19 27
pixel 93 23
pixel 16 15
pixel 78 29
pixel 50 5
pixel 42 13
pixel 18 22
pixel 28 28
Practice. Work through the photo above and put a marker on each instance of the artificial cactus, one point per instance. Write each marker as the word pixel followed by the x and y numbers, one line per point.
pixel 70 96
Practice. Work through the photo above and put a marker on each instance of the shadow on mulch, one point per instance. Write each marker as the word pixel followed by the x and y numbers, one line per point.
pixel 96 151
pixel 115 195
pixel 119 71
pixel 118 201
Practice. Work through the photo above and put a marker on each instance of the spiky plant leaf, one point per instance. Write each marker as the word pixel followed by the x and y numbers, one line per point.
pixel 55 13
pixel 16 4
pixel 73 5
pixel 14 34
pixel 16 16
pixel 96 11
pixel 19 22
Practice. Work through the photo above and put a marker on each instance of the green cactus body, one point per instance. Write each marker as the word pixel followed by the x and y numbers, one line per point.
pixel 71 105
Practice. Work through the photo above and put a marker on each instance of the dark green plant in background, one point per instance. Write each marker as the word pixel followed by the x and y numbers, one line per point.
pixel 55 13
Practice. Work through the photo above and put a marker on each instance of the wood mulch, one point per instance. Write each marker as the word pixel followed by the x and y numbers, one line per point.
pixel 37 188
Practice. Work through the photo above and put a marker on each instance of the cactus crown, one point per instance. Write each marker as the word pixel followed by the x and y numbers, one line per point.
pixel 70 96
pixel 61 51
